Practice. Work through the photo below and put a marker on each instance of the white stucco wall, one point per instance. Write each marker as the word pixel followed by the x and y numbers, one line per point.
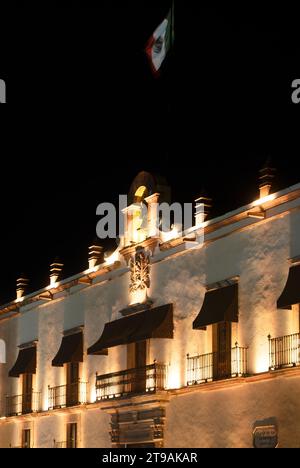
pixel 28 326
pixel 95 429
pixel 258 255
pixel 2 352
pixel 9 334
pixel 9 435
pixel 226 418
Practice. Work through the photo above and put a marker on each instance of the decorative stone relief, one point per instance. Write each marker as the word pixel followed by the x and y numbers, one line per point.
pixel 139 271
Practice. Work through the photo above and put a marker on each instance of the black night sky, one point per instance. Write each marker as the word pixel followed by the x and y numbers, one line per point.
pixel 84 115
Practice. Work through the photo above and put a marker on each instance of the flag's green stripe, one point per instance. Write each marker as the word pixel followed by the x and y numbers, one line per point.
pixel 173 21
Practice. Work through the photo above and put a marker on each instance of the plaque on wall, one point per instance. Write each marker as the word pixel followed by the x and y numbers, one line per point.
pixel 265 437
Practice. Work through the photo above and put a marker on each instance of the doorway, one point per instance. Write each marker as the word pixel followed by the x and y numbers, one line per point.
pixel 72 391
pixel 137 361
pixel 27 393
pixel 221 350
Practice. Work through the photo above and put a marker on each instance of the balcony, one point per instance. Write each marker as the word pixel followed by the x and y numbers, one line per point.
pixel 17 405
pixel 217 366
pixel 284 351
pixel 61 444
pixel 67 395
pixel 19 446
pixel 131 381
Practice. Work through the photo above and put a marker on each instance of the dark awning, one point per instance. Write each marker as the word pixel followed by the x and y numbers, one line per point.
pixel 71 350
pixel 25 363
pixel 220 305
pixel 291 292
pixel 152 323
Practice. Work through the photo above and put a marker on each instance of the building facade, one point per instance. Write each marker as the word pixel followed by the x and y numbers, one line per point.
pixel 173 340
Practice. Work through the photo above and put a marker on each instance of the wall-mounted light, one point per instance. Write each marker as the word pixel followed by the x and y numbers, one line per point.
pixel 19 299
pixel 112 258
pixel 52 286
pixel 258 213
pixel 170 235
pixel 263 200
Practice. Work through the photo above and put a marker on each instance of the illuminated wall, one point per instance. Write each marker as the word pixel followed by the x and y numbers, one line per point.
pixel 226 417
pixel 2 351
pixel 258 255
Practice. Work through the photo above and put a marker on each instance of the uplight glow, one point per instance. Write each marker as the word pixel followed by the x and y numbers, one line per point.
pixel 263 200
pixel 111 259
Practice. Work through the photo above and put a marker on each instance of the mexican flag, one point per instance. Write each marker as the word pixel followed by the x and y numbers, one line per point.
pixel 160 42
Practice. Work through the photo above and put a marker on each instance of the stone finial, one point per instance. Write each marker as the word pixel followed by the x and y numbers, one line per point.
pixel 21 286
pixel 203 207
pixel 96 254
pixel 266 176
pixel 55 271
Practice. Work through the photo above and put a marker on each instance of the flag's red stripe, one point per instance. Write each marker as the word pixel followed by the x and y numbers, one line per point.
pixel 148 50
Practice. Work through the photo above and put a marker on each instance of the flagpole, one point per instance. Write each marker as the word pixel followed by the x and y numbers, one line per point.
pixel 157 47
pixel 171 103
pixel 173 21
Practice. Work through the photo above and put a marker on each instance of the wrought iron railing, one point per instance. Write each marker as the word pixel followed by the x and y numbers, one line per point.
pixel 61 444
pixel 199 368
pixel 131 381
pixel 67 395
pixel 239 361
pixel 20 446
pixel 216 366
pixel 3 407
pixel 284 351
pixel 23 404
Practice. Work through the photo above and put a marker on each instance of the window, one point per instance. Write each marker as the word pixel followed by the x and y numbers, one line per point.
pixel 137 360
pixel 72 370
pixel 26 436
pixel 2 352
pixel 222 350
pixel 140 194
pixel 72 435
pixel 27 393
